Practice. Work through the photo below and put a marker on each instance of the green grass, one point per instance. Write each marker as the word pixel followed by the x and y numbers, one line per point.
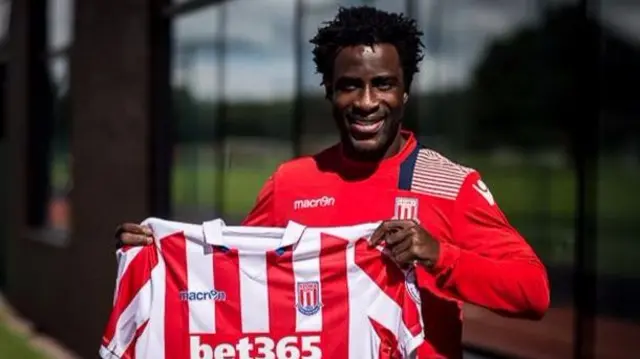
pixel 14 346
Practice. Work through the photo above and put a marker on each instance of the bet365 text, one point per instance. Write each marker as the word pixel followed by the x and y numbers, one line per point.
pixel 259 347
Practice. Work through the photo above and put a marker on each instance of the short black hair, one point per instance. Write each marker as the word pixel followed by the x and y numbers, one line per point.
pixel 365 25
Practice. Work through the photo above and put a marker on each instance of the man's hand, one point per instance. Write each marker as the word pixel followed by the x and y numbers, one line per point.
pixel 132 234
pixel 407 242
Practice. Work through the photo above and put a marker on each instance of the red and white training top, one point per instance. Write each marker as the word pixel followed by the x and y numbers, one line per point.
pixel 213 291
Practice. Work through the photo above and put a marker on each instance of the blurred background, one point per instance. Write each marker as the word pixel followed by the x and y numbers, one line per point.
pixel 118 110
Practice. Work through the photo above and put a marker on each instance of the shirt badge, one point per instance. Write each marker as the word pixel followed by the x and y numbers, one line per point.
pixel 406 208
pixel 308 301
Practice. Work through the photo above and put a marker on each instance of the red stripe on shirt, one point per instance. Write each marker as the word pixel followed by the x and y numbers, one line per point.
pixel 391 280
pixel 388 342
pixel 335 297
pixel 282 299
pixel 176 319
pixel 133 279
pixel 226 278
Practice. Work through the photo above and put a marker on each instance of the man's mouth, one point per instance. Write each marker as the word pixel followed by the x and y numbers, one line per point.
pixel 367 127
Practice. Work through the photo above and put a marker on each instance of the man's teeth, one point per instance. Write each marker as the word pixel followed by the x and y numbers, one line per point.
pixel 368 126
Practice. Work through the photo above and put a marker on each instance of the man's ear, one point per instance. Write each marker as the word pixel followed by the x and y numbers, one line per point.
pixel 405 97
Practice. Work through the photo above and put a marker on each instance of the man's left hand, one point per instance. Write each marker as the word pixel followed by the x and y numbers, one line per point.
pixel 407 242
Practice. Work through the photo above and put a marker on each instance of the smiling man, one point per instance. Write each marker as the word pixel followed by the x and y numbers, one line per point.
pixel 439 216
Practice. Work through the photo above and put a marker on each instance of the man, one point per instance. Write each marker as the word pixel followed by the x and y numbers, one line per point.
pixel 439 215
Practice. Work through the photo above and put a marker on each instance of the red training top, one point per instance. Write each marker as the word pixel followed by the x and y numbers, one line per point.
pixel 483 259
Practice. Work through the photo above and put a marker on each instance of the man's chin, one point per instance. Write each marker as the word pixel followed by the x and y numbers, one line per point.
pixel 367 148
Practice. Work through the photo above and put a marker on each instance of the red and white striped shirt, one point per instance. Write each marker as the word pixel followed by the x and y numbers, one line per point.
pixel 213 291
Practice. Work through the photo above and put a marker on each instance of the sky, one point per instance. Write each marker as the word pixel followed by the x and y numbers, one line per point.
pixel 259 61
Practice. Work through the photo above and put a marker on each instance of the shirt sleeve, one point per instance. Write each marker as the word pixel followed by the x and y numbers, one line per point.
pixel 262 213
pixel 487 262
pixel 131 303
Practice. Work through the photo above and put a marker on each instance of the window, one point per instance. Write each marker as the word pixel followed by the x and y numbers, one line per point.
pixel 59 25
pixel 49 155
pixel 246 97
pixel 5 10
pixel 59 38
pixel 233 81
pixel 259 95
pixel 494 91
pixel 5 13
pixel 617 201
pixel 196 96
pixel 60 159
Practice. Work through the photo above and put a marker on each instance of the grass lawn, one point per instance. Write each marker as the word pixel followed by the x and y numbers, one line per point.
pixel 14 346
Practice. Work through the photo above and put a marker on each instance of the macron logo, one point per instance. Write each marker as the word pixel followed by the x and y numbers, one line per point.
pixel 324 201
pixel 207 295
pixel 482 188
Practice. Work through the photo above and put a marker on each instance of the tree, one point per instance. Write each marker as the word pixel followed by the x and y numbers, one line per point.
pixel 525 90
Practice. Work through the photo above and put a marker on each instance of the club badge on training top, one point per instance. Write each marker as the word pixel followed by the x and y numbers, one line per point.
pixel 406 208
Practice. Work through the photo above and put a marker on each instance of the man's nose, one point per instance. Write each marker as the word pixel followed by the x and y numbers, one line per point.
pixel 367 101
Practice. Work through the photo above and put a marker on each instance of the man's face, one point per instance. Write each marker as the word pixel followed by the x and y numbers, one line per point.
pixel 368 95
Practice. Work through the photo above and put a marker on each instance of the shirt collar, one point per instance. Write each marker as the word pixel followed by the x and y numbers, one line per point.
pixel 395 160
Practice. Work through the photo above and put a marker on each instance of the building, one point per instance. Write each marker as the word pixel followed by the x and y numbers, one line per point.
pixel 117 110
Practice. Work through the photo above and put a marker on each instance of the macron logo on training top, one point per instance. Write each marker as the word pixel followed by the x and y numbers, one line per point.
pixel 482 188
pixel 324 201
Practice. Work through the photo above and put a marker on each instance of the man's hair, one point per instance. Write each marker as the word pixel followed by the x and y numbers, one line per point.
pixel 365 25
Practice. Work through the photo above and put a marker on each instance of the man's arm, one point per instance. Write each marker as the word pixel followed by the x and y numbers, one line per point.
pixel 262 213
pixel 488 263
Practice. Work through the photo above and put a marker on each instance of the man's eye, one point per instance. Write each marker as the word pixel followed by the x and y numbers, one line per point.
pixel 348 86
pixel 384 84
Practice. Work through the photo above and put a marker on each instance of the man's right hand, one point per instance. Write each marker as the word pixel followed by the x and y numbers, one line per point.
pixel 133 234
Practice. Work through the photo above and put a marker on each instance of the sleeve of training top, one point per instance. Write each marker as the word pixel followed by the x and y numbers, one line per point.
pixel 131 302
pixel 263 210
pixel 488 263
